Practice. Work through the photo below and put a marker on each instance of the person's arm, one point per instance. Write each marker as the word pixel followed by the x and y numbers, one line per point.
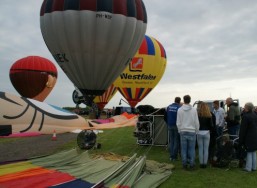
pixel 197 124
pixel 165 115
pixel 211 125
pixel 178 121
pixel 231 113
pixel 243 130
pixel 221 118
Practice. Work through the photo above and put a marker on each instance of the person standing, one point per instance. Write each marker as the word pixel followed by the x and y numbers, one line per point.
pixel 220 118
pixel 171 119
pixel 203 136
pixel 188 127
pixel 233 117
pixel 213 138
pixel 248 135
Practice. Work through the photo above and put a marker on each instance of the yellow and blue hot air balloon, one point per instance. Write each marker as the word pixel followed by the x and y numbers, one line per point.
pixel 93 41
pixel 144 71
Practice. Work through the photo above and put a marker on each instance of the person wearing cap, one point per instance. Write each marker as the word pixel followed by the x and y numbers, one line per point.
pixel 233 117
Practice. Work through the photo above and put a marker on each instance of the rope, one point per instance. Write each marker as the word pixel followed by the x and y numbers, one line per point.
pixel 155 111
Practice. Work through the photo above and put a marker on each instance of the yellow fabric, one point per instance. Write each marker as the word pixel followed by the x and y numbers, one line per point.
pixel 25 173
pixel 15 167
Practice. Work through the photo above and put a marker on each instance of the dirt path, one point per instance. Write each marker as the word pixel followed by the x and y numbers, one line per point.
pixel 28 147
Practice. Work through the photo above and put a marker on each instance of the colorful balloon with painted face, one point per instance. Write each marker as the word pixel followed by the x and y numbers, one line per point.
pixel 33 77
pixel 143 73
pixel 93 40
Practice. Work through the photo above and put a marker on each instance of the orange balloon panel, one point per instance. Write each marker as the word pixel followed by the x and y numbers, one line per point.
pixel 102 100
pixel 143 73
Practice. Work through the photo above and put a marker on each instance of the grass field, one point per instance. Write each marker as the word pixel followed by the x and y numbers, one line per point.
pixel 122 142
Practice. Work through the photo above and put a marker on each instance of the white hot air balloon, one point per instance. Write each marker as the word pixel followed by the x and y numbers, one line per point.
pixel 93 40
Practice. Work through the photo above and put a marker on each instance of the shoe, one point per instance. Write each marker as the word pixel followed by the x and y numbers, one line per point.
pixel 253 170
pixel 245 170
pixel 192 168
pixel 185 167
pixel 171 159
pixel 201 166
pixel 205 166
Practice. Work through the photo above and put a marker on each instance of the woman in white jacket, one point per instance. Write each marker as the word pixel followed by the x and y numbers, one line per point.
pixel 188 127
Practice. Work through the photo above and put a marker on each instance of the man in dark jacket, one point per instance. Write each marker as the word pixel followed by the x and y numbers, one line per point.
pixel 171 118
pixel 233 117
pixel 248 135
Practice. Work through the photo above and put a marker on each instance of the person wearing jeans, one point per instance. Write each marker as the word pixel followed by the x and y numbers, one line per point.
pixel 170 117
pixel 248 135
pixel 250 161
pixel 203 141
pixel 188 127
pixel 174 143
pixel 187 141
pixel 203 137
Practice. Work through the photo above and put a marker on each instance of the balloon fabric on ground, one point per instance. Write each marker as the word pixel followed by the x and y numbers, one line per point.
pixel 144 71
pixel 33 77
pixel 92 41
pixel 77 169
pixel 28 115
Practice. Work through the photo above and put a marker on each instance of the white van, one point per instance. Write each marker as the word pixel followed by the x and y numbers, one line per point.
pixel 221 102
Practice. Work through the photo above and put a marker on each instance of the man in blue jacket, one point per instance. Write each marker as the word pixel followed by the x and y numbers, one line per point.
pixel 171 118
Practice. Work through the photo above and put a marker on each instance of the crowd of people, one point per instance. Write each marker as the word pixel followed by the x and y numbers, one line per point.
pixel 190 128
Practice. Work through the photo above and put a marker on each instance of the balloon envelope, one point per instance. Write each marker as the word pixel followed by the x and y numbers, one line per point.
pixel 144 71
pixel 102 100
pixel 92 41
pixel 33 77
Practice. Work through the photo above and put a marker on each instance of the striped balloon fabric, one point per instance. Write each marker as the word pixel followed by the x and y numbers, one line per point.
pixel 69 169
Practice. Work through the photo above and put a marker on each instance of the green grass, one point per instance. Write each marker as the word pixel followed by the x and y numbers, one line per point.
pixel 122 142
pixel 6 140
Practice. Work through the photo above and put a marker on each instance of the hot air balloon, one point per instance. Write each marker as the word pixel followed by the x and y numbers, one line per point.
pixel 33 77
pixel 143 73
pixel 93 41
pixel 102 100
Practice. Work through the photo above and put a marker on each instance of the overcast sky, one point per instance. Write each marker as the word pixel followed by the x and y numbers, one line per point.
pixel 211 48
